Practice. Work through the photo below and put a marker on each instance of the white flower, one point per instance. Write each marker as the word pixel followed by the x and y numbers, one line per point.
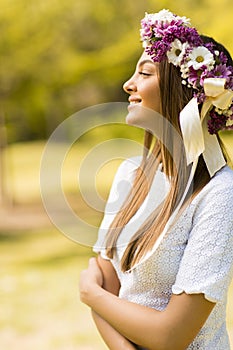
pixel 176 54
pixel 165 16
pixel 145 44
pixel 184 69
pixel 229 122
pixel 201 56
pixel 185 20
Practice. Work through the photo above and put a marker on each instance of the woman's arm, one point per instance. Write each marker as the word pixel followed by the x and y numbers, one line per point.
pixel 173 328
pixel 112 338
pixel 110 282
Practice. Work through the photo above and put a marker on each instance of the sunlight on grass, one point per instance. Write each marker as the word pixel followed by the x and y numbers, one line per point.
pixel 40 308
pixel 23 161
pixel 22 167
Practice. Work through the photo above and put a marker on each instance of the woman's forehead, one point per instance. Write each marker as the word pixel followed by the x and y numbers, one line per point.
pixel 145 56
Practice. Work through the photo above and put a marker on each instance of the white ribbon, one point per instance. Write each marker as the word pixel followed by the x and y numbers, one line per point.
pixel 191 129
pixel 197 139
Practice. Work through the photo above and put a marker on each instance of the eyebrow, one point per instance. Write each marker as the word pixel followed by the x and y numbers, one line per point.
pixel 145 61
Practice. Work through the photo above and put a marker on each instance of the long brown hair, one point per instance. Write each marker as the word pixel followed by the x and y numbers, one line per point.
pixel 174 96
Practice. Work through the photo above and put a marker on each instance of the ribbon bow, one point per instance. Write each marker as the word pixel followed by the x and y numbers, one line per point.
pixel 216 95
pixel 197 139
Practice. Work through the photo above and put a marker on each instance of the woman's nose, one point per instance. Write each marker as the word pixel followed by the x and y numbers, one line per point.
pixel 129 86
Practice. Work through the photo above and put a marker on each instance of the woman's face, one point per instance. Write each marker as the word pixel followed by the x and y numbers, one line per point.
pixel 143 90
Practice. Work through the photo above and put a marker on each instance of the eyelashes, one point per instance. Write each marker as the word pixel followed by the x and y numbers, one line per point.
pixel 145 74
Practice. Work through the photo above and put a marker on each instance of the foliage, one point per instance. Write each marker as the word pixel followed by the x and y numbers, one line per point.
pixel 60 56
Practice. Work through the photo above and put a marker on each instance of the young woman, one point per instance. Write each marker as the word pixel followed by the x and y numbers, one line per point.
pixel 165 260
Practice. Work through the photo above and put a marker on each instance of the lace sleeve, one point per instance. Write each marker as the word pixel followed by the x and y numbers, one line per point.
pixel 207 263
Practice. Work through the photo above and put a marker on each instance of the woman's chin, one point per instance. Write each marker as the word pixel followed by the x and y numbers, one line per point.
pixel 134 116
pixel 129 119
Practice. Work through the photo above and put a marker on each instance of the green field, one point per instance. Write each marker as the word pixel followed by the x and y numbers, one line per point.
pixel 39 266
pixel 40 308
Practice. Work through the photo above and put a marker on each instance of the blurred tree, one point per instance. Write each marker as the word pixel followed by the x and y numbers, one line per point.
pixel 60 56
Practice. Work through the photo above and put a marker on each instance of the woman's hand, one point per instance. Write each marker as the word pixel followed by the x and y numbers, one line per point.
pixel 91 280
pixel 92 286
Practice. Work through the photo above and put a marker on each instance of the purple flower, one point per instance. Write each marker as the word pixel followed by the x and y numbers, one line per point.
pixel 223 58
pixel 158 50
pixel 210 47
pixel 200 97
pixel 216 122
pixel 191 35
pixel 183 33
pixel 194 77
pixel 221 71
pixel 229 82
pixel 161 32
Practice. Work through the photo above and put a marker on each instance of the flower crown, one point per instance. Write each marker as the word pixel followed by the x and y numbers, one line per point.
pixel 203 68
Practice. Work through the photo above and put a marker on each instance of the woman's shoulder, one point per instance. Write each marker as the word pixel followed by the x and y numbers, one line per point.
pixel 130 164
pixel 127 168
pixel 212 207
pixel 223 179
pixel 125 174
pixel 219 189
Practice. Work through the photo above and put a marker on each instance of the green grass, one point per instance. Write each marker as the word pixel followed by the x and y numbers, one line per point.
pixel 22 166
pixel 40 308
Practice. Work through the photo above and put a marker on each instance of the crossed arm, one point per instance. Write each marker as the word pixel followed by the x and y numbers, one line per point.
pixel 113 339
pixel 122 323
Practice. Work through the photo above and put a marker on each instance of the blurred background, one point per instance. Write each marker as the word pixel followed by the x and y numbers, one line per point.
pixel 59 57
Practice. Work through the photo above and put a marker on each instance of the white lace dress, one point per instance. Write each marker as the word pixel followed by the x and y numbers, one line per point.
pixel 194 256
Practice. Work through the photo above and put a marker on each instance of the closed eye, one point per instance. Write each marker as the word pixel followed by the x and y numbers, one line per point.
pixel 146 74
